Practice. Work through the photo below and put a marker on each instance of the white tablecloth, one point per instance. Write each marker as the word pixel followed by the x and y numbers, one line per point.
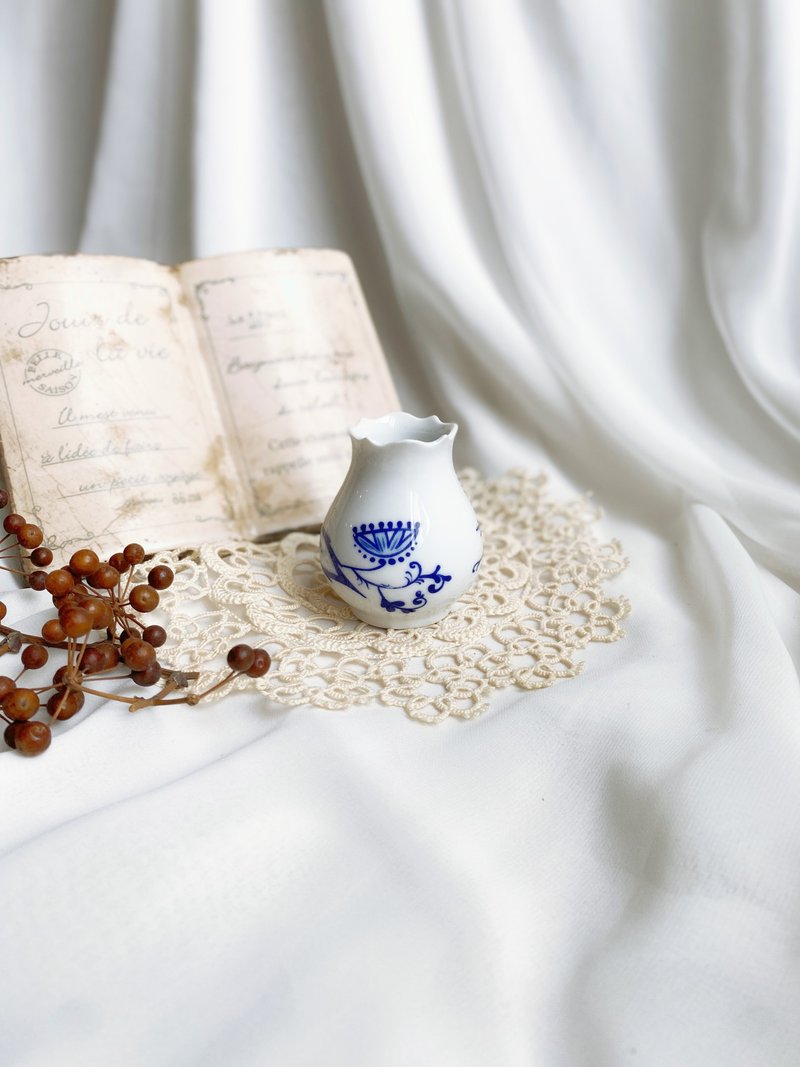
pixel 577 226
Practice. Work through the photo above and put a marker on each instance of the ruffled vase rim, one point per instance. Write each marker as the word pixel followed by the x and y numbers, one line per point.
pixel 400 427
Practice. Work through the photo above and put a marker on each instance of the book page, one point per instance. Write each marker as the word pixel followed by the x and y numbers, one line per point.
pixel 298 362
pixel 108 428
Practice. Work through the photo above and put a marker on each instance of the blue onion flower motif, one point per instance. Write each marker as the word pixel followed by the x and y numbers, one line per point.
pixel 389 542
pixel 383 544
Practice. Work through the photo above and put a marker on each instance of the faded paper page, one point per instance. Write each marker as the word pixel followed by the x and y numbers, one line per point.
pixel 108 427
pixel 298 361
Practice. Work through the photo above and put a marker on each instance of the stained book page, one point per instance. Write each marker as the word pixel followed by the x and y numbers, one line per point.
pixel 108 428
pixel 297 362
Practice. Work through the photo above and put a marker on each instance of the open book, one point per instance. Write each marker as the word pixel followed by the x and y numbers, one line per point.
pixel 178 405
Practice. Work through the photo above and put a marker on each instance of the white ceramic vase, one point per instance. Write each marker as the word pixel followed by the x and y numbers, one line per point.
pixel 401 542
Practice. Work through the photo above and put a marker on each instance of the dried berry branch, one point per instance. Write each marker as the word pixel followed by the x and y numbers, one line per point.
pixel 90 597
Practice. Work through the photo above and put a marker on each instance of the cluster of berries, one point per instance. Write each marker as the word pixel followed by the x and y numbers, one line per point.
pixel 98 624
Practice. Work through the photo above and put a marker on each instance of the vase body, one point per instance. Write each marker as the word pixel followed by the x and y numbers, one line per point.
pixel 401 541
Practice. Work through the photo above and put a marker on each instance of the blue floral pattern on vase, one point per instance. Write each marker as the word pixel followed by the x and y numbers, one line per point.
pixel 386 544
pixel 385 540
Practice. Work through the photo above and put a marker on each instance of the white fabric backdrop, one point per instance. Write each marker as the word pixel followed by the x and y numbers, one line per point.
pixel 577 225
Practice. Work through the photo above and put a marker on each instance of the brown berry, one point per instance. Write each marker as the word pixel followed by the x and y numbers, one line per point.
pixel 240 657
pixel 138 655
pixel 105 577
pixel 133 554
pixel 13 522
pixel 144 598
pixel 29 535
pixel 33 738
pixel 6 685
pixel 91 660
pixel 10 734
pixel 65 601
pixel 149 676
pixel 37 580
pixel 119 563
pixel 41 557
pixel 155 635
pixel 34 657
pixel 59 582
pixel 261 663
pixel 110 654
pixel 100 610
pixel 3 609
pixel 75 621
pixel 161 577
pixel 60 677
pixel 20 704
pixel 3 498
pixel 65 703
pixel 84 561
pixel 104 618
pixel 53 632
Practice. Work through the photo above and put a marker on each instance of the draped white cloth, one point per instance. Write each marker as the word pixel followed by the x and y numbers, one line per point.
pixel 578 226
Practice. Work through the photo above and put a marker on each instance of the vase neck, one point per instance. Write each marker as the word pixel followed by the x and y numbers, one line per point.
pixel 403 455
pixel 399 429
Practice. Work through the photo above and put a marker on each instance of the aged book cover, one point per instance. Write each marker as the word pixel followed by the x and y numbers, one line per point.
pixel 179 405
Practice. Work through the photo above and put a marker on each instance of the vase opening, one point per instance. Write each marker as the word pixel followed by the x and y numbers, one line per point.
pixel 399 426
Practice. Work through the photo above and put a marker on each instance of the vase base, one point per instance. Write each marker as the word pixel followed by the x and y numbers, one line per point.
pixel 405 622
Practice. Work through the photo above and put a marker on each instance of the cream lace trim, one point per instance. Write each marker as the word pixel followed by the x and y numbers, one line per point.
pixel 538 601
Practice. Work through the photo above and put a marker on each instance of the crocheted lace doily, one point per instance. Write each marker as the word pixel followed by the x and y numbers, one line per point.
pixel 538 601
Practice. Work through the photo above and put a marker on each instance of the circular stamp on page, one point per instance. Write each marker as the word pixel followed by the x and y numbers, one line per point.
pixel 52 372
